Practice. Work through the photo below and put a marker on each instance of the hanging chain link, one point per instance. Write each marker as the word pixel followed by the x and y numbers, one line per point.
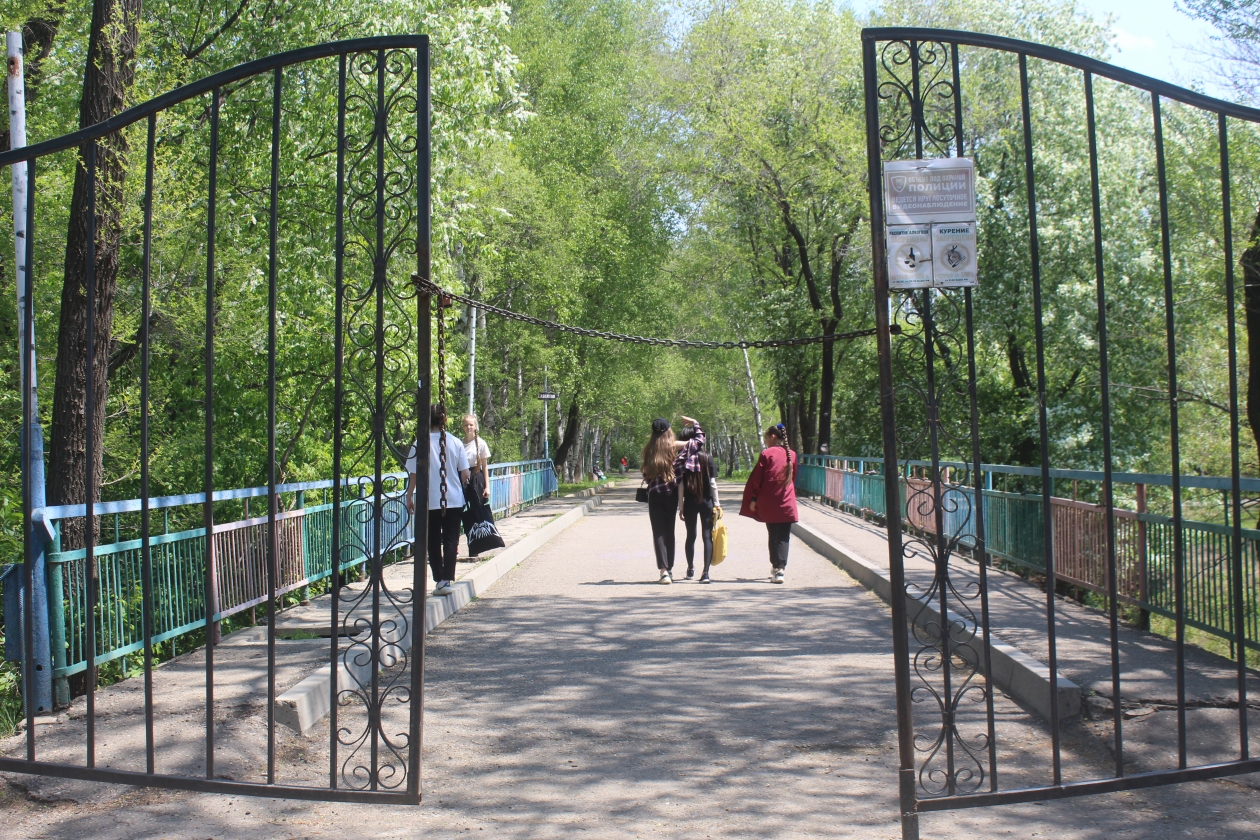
pixel 440 301
pixel 429 287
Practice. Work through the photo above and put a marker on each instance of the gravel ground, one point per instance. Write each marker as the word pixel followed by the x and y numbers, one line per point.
pixel 581 698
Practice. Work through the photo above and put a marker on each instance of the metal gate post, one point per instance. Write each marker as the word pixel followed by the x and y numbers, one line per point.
pixel 907 791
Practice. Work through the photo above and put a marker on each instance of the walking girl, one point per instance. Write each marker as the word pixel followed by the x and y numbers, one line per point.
pixel 662 493
pixel 770 496
pixel 478 454
pixel 698 499
pixel 443 524
pixel 664 459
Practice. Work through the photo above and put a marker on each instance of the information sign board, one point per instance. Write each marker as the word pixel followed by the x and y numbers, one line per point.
pixel 547 395
pixel 954 255
pixel 909 256
pixel 939 190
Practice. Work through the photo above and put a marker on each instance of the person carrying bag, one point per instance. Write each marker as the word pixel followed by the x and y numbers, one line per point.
pixel 479 527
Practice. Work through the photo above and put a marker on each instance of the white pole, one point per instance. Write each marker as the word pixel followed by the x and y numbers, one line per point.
pixel 546 420
pixel 752 390
pixel 472 356
pixel 17 139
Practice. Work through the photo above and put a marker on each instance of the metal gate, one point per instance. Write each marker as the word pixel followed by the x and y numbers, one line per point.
pixel 917 93
pixel 365 181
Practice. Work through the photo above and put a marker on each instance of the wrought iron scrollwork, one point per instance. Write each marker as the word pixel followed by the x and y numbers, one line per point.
pixel 918 86
pixel 379 330
pixel 930 390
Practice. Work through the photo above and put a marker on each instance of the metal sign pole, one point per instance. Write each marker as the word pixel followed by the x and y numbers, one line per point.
pixel 32 442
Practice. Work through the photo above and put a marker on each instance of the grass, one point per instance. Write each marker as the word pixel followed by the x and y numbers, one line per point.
pixel 566 489
pixel 1166 627
pixel 10 696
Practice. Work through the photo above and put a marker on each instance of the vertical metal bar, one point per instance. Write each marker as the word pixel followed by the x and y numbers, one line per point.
pixel 916 101
pixel 146 549
pixel 1170 329
pixel 1235 473
pixel 1046 519
pixel 339 395
pixel 948 705
pixel 28 420
pixel 89 443
pixel 908 794
pixel 982 556
pixel 207 505
pixel 420 523
pixel 1104 378
pixel 378 417
pixel 273 556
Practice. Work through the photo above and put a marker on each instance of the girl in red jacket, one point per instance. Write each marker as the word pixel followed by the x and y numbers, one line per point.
pixel 770 496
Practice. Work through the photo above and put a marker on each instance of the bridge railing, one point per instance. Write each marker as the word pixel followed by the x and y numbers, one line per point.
pixel 1145 561
pixel 304 548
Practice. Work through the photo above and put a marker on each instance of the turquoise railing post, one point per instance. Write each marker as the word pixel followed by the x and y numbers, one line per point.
pixel 57 622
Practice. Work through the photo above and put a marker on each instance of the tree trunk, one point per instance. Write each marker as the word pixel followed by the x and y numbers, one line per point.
pixel 810 427
pixel 1250 263
pixel 107 78
pixel 569 438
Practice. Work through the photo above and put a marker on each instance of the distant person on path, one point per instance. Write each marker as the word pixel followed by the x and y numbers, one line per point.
pixel 770 496
pixel 478 454
pixel 443 525
pixel 662 455
pixel 697 499
pixel 624 464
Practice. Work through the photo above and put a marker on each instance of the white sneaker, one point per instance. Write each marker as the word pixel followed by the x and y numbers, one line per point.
pixel 777 577
pixel 443 588
pixel 665 577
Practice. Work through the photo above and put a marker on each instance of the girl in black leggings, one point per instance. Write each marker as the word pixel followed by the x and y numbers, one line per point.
pixel 697 499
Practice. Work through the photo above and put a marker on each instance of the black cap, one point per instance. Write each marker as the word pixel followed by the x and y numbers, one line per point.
pixel 659 425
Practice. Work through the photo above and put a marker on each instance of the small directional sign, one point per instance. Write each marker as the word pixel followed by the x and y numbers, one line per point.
pixel 547 395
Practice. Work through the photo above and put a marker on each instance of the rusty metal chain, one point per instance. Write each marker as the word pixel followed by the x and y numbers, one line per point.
pixel 429 287
pixel 440 302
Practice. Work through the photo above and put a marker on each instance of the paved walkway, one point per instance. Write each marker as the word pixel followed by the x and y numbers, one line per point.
pixel 581 698
pixel 1017 612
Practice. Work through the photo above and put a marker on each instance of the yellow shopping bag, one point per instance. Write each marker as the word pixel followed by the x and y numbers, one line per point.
pixel 719 537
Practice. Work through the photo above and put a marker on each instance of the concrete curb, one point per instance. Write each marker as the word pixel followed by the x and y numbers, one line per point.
pixel 1023 678
pixel 307 703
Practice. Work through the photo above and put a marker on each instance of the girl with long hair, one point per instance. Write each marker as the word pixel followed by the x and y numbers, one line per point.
pixel 698 499
pixel 664 458
pixel 770 496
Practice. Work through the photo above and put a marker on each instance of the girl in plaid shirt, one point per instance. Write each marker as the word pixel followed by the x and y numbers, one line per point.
pixel 664 457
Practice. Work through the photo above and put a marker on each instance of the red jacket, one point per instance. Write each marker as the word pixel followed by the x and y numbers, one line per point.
pixel 776 498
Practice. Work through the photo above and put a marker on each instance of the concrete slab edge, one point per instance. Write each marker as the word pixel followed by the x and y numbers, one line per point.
pixel 307 703
pixel 1024 678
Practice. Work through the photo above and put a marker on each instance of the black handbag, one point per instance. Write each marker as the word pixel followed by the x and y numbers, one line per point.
pixel 641 495
pixel 479 527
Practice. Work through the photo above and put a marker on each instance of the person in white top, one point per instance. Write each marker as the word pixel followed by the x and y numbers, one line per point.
pixel 443 524
pixel 478 454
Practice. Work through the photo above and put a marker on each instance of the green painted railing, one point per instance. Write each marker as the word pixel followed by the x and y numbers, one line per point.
pixel 1014 532
pixel 304 548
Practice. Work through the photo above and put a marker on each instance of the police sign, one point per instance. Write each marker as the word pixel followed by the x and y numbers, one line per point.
pixel 930 211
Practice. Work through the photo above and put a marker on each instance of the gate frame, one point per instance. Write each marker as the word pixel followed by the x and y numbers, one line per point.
pixel 380 48
pixel 911 805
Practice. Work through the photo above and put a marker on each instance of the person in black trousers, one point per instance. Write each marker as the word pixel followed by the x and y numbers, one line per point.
pixel 443 524
pixel 658 472
pixel 697 499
